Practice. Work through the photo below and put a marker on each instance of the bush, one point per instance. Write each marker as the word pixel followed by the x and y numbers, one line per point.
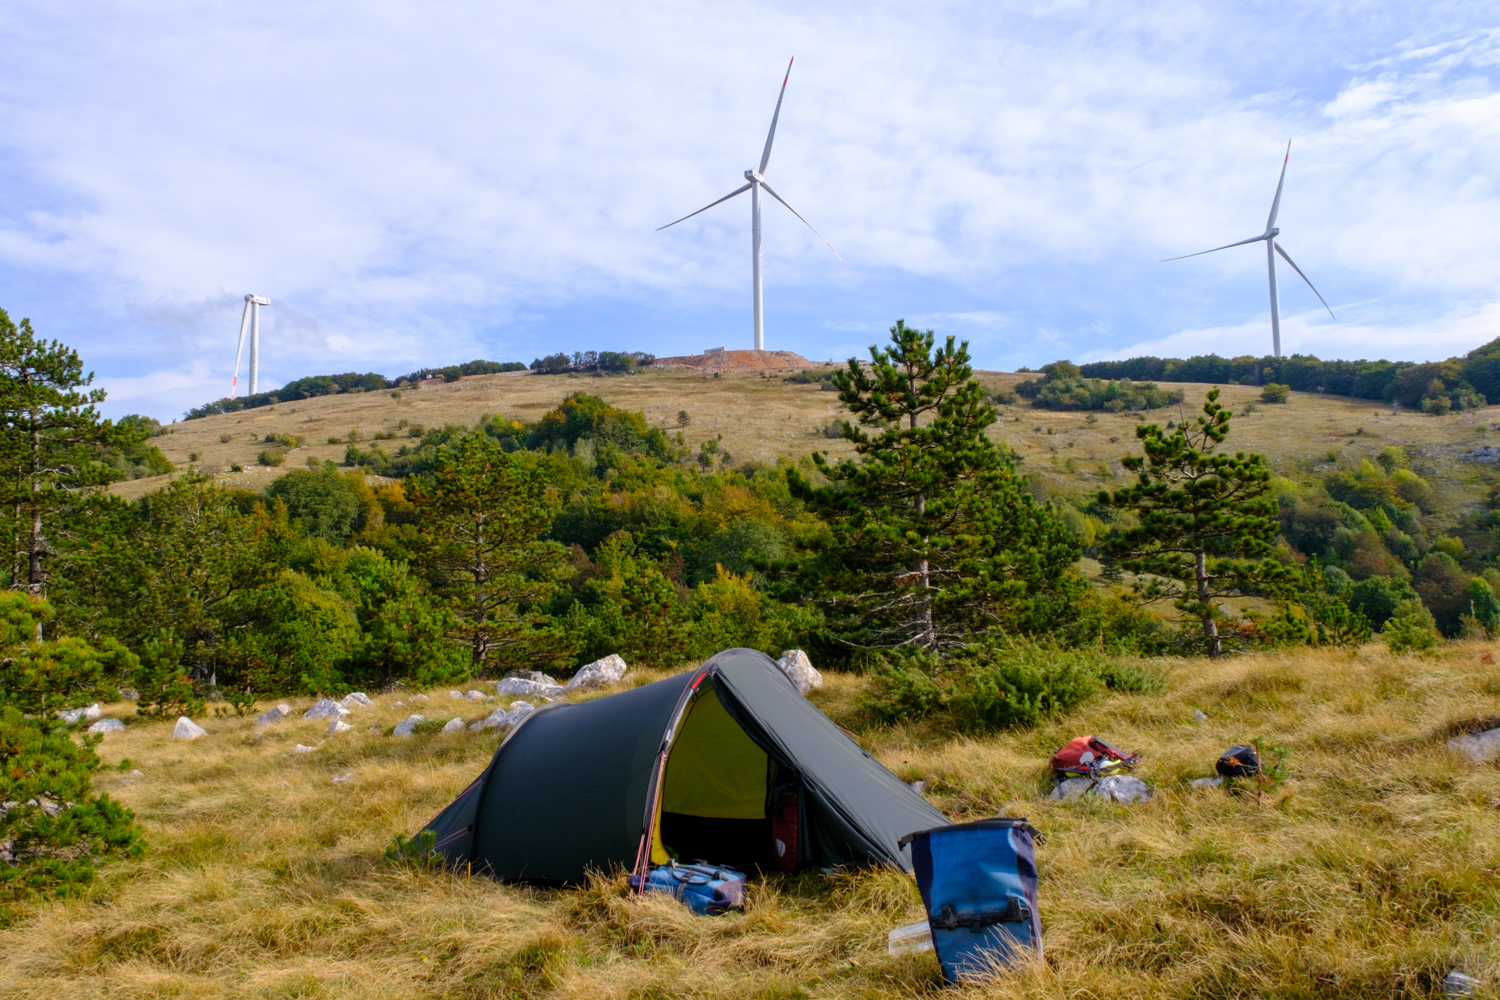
pixel 1378 596
pixel 53 830
pixel 1275 392
pixel 1017 683
pixel 1411 629
pixel 40 677
pixel 271 457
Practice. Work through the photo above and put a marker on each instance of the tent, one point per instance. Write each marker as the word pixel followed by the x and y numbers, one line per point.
pixel 687 766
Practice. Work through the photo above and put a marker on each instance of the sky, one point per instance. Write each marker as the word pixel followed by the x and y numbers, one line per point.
pixel 423 184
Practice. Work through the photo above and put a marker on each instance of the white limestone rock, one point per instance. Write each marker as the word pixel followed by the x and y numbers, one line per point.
pixel 356 699
pixel 107 726
pixel 524 687
pixel 798 668
pixel 455 725
pixel 601 672
pixel 475 695
pixel 72 716
pixel 92 712
pixel 186 729
pixel 130 694
pixel 325 708
pixel 419 697
pixel 534 675
pixel 299 748
pixel 456 694
pixel 1199 715
pixel 273 717
pixel 136 774
pixel 338 726
pixel 408 725
pixel 1202 783
pixel 1458 983
pixel 339 779
pixel 500 718
pixel 1123 788
pixel 1477 747
pixel 1071 788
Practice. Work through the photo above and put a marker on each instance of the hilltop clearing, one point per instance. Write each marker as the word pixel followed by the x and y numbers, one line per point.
pixel 761 417
pixel 1371 873
pixel 737 361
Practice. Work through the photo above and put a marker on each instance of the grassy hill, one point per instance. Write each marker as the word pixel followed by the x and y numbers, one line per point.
pixel 1372 873
pixel 762 417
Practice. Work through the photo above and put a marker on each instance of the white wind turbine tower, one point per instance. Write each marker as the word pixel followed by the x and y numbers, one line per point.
pixel 1272 248
pixel 249 318
pixel 755 180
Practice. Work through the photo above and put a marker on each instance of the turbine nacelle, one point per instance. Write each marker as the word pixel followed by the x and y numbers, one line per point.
pixel 257 300
pixel 249 321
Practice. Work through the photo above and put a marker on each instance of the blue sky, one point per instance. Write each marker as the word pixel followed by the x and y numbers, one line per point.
pixel 420 184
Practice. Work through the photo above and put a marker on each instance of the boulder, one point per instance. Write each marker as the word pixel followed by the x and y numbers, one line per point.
pixel 501 718
pixel 475 695
pixel 338 726
pixel 1202 783
pixel 1460 984
pixel 339 779
pixel 455 725
pixel 534 675
pixel 456 694
pixel 1477 747
pixel 604 671
pixel 136 774
pixel 187 730
pixel 356 699
pixel 272 717
pixel 107 726
pixel 130 694
pixel 73 716
pixel 798 667
pixel 419 697
pixel 524 687
pixel 325 708
pixel 1199 715
pixel 299 748
pixel 1071 788
pixel 1123 788
pixel 407 726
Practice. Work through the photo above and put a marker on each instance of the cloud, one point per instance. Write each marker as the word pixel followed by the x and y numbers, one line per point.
pixel 413 184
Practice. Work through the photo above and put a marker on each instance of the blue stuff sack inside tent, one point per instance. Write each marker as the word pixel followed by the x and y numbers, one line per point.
pixel 978 882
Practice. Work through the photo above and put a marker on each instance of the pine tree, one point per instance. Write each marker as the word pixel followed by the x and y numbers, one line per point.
pixel 934 540
pixel 1206 520
pixel 483 513
pixel 50 436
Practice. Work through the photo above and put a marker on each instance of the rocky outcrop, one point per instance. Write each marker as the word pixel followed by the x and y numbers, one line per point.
pixel 798 668
pixel 186 729
pixel 602 672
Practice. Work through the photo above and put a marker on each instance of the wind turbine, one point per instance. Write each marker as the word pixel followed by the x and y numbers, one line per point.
pixel 249 318
pixel 755 180
pixel 1272 248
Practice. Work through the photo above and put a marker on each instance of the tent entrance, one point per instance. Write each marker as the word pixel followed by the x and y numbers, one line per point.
pixel 716 792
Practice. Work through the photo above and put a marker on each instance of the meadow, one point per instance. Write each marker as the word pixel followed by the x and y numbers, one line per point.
pixel 762 418
pixel 1373 871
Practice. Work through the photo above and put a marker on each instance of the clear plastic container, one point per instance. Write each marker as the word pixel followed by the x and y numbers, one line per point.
pixel 910 939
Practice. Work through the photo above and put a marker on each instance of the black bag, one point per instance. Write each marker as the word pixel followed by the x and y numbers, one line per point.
pixel 1239 762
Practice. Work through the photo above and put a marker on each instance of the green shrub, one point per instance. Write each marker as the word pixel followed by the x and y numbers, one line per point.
pixel 1275 392
pixel 1411 629
pixel 39 677
pixel 271 457
pixel 53 830
pixel 164 681
pixel 1020 683
pixel 986 688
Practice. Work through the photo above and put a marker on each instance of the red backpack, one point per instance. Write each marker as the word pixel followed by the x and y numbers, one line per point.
pixel 1090 757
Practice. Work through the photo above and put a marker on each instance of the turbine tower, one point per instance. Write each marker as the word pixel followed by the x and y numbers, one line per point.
pixel 755 180
pixel 250 319
pixel 1272 248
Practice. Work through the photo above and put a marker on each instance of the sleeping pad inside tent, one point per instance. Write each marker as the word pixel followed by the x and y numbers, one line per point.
pixel 727 763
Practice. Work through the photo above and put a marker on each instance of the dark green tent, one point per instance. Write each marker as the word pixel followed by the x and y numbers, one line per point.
pixel 684 766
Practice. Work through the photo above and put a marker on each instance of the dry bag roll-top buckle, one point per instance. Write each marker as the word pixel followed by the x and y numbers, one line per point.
pixel 949 919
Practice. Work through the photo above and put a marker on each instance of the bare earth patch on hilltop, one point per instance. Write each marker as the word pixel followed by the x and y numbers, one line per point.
pixel 737 361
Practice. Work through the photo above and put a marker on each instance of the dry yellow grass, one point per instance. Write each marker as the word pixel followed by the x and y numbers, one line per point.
pixel 1373 874
pixel 764 418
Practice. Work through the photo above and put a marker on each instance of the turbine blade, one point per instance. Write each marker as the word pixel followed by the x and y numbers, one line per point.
pixel 765 157
pixel 1200 253
pixel 1276 202
pixel 238 351
pixel 809 225
pixel 705 208
pixel 1304 278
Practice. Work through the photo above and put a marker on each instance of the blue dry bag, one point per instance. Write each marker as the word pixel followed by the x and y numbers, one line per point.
pixel 708 890
pixel 978 882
